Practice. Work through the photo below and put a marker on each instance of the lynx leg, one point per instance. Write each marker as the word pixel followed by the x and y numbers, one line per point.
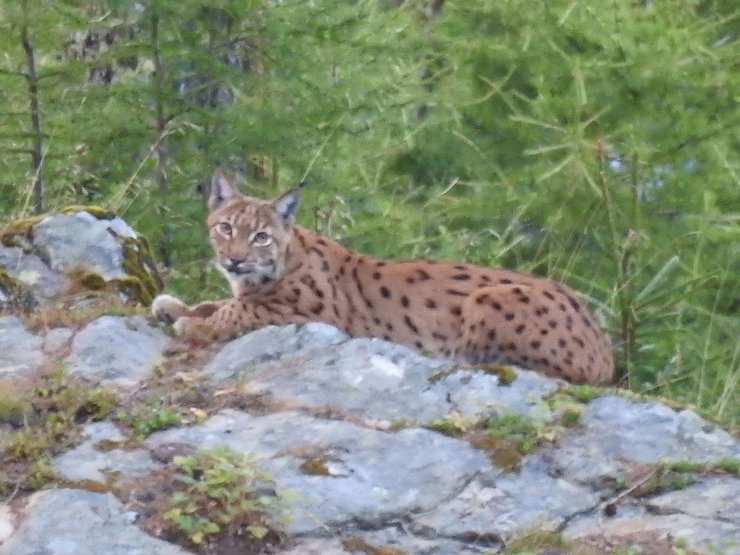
pixel 168 309
pixel 223 321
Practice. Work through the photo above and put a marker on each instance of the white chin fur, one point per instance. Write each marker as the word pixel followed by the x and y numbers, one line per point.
pixel 238 282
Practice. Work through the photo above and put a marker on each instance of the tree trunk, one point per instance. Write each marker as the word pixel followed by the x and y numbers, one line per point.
pixel 33 96
pixel 160 171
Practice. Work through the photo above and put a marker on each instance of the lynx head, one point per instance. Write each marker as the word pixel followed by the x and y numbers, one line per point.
pixel 250 236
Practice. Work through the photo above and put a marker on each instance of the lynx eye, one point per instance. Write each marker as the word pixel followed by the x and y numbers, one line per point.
pixel 224 229
pixel 261 239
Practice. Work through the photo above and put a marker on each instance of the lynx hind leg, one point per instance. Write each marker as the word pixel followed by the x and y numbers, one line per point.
pixel 540 328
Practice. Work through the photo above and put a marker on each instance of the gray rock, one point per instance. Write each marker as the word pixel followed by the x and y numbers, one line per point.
pixel 376 380
pixel 19 350
pixel 371 475
pixel 80 241
pixel 476 393
pixel 713 498
pixel 79 522
pixel 121 350
pixel 402 541
pixel 316 546
pixel 30 270
pixel 57 339
pixel 99 459
pixel 698 534
pixel 268 344
pixel 618 431
pixel 512 505
pixel 6 523
pixel 370 378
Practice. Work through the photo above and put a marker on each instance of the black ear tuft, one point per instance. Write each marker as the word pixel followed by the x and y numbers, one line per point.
pixel 286 206
pixel 221 190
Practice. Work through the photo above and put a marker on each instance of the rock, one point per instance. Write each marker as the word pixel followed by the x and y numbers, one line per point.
pixel 240 356
pixel 715 498
pixel 317 414
pixel 115 349
pixel 103 457
pixel 80 247
pixel 56 339
pixel 698 534
pixel 41 283
pixel 6 524
pixel 618 431
pixel 79 522
pixel 19 350
pixel 514 504
pixel 81 242
pixel 316 546
pixel 363 475
pixel 316 366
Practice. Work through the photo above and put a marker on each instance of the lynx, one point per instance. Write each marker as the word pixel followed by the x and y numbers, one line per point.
pixel 283 273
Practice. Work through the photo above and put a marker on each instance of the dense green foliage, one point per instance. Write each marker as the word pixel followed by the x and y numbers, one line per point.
pixel 594 142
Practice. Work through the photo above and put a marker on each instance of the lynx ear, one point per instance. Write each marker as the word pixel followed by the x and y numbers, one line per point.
pixel 285 206
pixel 221 190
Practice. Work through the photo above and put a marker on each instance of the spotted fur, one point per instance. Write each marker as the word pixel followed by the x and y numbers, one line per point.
pixel 283 273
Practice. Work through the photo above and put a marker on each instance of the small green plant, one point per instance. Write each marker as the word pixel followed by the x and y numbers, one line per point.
pixel 151 419
pixel 731 466
pixel 219 495
pixel 47 417
pixel 453 427
pixel 13 409
pixel 571 416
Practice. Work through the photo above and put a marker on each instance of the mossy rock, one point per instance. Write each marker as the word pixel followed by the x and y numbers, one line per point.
pixel 132 273
pixel 15 296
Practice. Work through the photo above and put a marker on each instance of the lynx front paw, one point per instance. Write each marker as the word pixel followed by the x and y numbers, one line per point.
pixel 169 309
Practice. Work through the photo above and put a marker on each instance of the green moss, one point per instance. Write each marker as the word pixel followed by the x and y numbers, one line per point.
pixel 145 282
pixel 18 232
pixel 19 297
pixel 91 280
pixel 142 282
pixel 584 393
pixel 687 466
pixel 522 431
pixel 729 465
pixel 448 426
pixel 506 439
pixel 315 466
pixel 505 374
pixel 503 452
pixel 732 466
pixel 534 542
pixel 571 416
pixel 96 211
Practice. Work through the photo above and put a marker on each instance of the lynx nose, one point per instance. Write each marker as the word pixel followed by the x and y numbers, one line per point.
pixel 232 264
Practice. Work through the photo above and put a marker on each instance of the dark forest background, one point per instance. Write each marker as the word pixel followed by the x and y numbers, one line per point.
pixel 594 142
